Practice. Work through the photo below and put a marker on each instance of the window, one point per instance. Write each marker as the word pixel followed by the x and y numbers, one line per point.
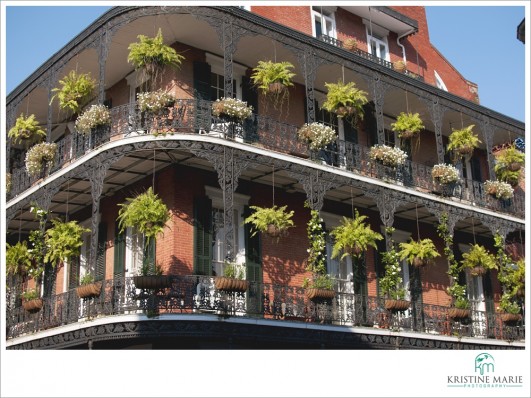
pixel 134 254
pixel 324 23
pixel 439 81
pixel 377 40
pixel 217 80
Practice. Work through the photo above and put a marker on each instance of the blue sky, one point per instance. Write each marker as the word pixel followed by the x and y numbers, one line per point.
pixel 480 41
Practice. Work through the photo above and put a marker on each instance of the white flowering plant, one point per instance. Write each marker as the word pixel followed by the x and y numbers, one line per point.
pixel 232 107
pixel 96 115
pixel 40 155
pixel 317 135
pixel 444 173
pixel 154 101
pixel 499 189
pixel 388 156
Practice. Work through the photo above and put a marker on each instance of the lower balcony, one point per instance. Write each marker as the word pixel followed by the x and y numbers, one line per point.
pixel 197 297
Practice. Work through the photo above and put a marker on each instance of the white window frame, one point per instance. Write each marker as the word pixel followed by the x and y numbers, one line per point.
pixel 328 17
pixel 373 31
pixel 439 81
pixel 83 256
pixel 134 80
pixel 134 252
pixel 240 200
pixel 238 71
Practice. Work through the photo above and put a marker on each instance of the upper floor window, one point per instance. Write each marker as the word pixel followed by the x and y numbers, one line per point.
pixel 377 44
pixel 323 22
pixel 217 79
pixel 439 81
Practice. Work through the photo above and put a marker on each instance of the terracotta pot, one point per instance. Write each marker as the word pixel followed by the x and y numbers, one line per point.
pixel 151 281
pixel 458 313
pixel 314 293
pixel 396 305
pixel 90 290
pixel 515 166
pixel 407 134
pixel 273 231
pixel 276 88
pixel 399 66
pixel 465 150
pixel 507 318
pixel 231 284
pixel 32 305
pixel 478 271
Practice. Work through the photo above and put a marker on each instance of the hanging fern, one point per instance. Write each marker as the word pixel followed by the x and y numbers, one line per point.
pixel 18 258
pixel 26 130
pixel 75 91
pixel 63 240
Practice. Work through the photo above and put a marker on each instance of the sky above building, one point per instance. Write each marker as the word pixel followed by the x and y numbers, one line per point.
pixel 480 41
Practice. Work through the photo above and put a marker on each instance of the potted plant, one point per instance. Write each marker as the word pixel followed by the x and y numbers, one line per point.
pixel 460 308
pixel 350 44
pixel 150 278
pixel 31 300
pixel 232 108
pixel 232 279
pixel 407 125
pixel 75 91
pixel 345 99
pixel 444 174
pixel 155 101
pixel 63 241
pixel 273 77
pixel 40 158
pixel 507 175
pixel 400 65
pixel 93 117
pixel 418 253
pixel 353 236
pixel 499 189
pixel 274 221
pixel 478 260
pixel 146 212
pixel 320 287
pixel 387 156
pixel 509 309
pixel 87 287
pixel 18 258
pixel 316 135
pixel 26 131
pixel 463 141
pixel 391 284
pixel 510 158
pixel 151 55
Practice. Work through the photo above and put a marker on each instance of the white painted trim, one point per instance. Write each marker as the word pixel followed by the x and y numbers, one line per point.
pixel 439 81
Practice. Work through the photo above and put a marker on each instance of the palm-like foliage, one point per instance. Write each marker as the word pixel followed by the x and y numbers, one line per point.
pixel 63 240
pixel 422 249
pixel 268 72
pixel 345 95
pixel 75 91
pixel 353 232
pixel 26 130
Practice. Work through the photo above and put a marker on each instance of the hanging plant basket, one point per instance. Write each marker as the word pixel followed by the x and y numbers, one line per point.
pixel 458 313
pixel 515 166
pixel 151 281
pixel 320 294
pixel 419 262
pixel 226 284
pixel 33 305
pixel 89 290
pixel 353 250
pixel 478 271
pixel 396 305
pixel 276 87
pixel 520 292
pixel 510 318
pixel 273 231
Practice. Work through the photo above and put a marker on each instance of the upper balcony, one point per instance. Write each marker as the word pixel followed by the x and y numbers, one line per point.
pixel 102 50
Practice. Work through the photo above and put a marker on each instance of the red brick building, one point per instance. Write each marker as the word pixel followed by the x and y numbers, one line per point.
pixel 208 171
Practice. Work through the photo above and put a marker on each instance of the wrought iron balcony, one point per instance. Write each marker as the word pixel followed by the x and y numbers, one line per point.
pixel 195 117
pixel 198 295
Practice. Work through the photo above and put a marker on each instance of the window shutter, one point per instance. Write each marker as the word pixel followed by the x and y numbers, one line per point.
pixel 203 236
pixel 148 257
pixel 476 169
pixel 100 252
pixel 351 133
pixel 360 275
pixel 378 265
pixel 253 251
pixel 370 123
pixel 202 80
pixel 119 251
pixel 73 277
pixel 250 125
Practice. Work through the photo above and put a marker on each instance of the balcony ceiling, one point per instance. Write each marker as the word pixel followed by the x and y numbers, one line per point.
pixel 386 18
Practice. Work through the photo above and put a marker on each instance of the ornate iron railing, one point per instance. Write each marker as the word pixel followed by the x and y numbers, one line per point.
pixel 195 117
pixel 198 295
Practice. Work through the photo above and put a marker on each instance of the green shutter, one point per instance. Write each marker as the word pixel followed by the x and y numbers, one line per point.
pixel 253 261
pixel 351 133
pixel 360 275
pixel 73 277
pixel 202 80
pixel 250 125
pixel 119 251
pixel 203 236
pixel 148 257
pixel 378 264
pixel 100 252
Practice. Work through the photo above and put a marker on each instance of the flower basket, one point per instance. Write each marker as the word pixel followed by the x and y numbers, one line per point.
pixel 388 156
pixel 320 294
pixel 232 108
pixel 444 173
pixel 396 305
pixel 151 281
pixel 317 135
pixel 499 189
pixel 40 158
pixel 96 115
pixel 33 305
pixel 226 284
pixel 89 290
pixel 458 313
pixel 507 317
pixel 399 66
pixel 155 101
